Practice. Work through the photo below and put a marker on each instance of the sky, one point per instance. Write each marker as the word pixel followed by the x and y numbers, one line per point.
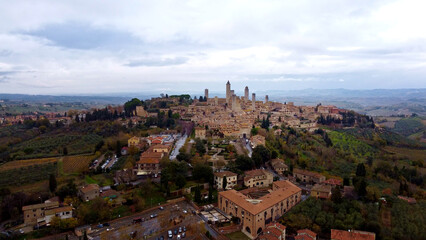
pixel 104 46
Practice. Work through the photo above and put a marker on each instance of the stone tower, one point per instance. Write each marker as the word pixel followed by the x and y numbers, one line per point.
pixel 206 93
pixel 246 94
pixel 253 101
pixel 266 99
pixel 228 92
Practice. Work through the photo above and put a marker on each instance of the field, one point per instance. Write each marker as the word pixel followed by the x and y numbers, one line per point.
pixel 349 144
pixel 28 174
pixel 52 146
pixel 25 163
pixel 76 164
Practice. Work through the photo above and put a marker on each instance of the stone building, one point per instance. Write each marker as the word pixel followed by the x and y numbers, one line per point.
pixel 255 213
pixel 231 179
pixel 258 178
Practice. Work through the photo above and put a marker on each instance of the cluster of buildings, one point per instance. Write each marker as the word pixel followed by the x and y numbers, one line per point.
pixel 39 215
pixel 155 148
pixel 20 118
pixel 236 115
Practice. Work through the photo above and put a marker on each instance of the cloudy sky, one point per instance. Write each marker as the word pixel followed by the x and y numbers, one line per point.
pixel 72 47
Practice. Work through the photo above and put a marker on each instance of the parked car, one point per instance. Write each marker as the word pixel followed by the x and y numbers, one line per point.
pixel 170 233
pixel 183 235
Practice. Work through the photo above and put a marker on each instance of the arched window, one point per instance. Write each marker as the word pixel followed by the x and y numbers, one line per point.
pixel 259 230
pixel 248 229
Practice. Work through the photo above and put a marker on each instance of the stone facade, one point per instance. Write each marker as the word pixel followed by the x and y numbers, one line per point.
pixel 255 214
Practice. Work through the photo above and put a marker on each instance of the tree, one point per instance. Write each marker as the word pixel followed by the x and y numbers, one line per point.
pixel 65 151
pixel 180 181
pixel 260 155
pixel 118 149
pixel 361 188
pixel 52 183
pixel 244 163
pixel 210 192
pixel 203 172
pixel 224 182
pixel 199 145
pixel 336 196
pixel 346 181
pixel 360 170
pixel 197 194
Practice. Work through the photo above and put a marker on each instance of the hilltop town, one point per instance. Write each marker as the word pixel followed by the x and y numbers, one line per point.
pixel 207 168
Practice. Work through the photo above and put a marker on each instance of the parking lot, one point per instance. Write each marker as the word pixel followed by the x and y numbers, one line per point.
pixel 152 224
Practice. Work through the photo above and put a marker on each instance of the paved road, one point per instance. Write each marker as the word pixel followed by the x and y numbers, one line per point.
pixel 179 143
pixel 151 227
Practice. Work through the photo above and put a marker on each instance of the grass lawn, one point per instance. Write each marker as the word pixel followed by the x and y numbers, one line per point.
pixel 237 236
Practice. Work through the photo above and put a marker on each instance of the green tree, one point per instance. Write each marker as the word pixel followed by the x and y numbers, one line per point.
pixel 52 183
pixel 336 196
pixel 360 170
pixel 260 155
pixel 65 151
pixel 224 182
pixel 244 163
pixel 210 192
pixel 180 181
pixel 197 194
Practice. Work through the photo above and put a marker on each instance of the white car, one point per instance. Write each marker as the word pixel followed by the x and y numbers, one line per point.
pixel 184 211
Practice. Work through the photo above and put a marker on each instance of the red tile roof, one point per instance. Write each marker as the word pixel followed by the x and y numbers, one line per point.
pixel 225 173
pixel 333 181
pixel 351 235
pixel 305 234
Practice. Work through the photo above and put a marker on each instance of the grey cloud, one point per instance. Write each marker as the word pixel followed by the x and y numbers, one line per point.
pixel 78 35
pixel 157 62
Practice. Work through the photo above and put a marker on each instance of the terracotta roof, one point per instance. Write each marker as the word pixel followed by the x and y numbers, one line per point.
pixel 58 210
pixel 267 236
pixel 333 181
pixel 278 163
pixel 265 202
pixel 305 234
pixel 150 157
pixel 276 225
pixel 40 205
pixel 225 173
pixel 89 188
pixel 321 188
pixel 109 193
pixel 408 199
pixel 351 235
pixel 255 173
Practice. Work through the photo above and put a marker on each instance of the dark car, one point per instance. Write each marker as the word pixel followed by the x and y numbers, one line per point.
pixel 106 224
pixel 175 232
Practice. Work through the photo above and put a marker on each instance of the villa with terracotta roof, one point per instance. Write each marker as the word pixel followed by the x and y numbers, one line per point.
pixel 273 231
pixel 255 211
pixel 307 176
pixel 149 163
pixel 231 179
pixel 279 166
pixel 89 192
pixel 351 235
pixel 321 191
pixel 258 178
pixel 332 182
pixel 305 234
